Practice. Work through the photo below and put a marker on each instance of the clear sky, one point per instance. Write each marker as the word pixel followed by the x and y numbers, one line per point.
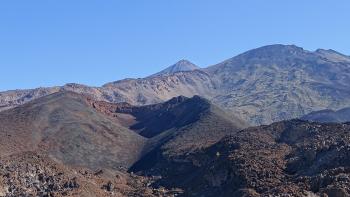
pixel 53 42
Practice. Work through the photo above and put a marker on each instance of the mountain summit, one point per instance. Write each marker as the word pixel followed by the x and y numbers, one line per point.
pixel 182 65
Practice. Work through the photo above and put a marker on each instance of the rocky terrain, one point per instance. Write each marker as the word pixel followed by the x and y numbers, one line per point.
pixel 32 174
pixel 342 115
pixel 289 158
pixel 67 144
pixel 263 85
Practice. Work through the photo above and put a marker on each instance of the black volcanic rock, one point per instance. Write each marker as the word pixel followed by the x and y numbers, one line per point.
pixel 293 158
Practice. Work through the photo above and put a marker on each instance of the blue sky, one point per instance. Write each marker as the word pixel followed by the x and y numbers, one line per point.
pixel 47 43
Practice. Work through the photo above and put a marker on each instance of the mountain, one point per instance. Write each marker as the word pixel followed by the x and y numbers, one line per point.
pixel 69 143
pixel 342 115
pixel 280 82
pixel 64 126
pixel 183 134
pixel 180 66
pixel 152 120
pixel 174 129
pixel 59 145
pixel 293 158
pixel 186 126
pixel 263 85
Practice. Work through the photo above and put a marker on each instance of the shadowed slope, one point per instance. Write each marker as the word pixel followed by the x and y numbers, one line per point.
pixel 152 120
pixel 168 153
pixel 174 129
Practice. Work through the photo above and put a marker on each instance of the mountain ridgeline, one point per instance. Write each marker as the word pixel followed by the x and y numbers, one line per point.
pixel 264 85
pixel 261 86
pixel 342 115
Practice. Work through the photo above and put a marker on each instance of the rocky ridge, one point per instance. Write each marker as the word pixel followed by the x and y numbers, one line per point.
pixel 342 115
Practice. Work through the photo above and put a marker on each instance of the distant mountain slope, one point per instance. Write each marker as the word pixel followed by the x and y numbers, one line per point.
pixel 180 66
pixel 161 88
pixel 64 126
pixel 263 85
pixel 280 82
pixel 13 98
pixel 342 115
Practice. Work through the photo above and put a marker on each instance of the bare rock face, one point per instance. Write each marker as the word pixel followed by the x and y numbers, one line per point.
pixel 264 85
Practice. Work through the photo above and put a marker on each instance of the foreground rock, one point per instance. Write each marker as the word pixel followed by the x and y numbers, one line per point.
pixel 291 158
pixel 32 174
